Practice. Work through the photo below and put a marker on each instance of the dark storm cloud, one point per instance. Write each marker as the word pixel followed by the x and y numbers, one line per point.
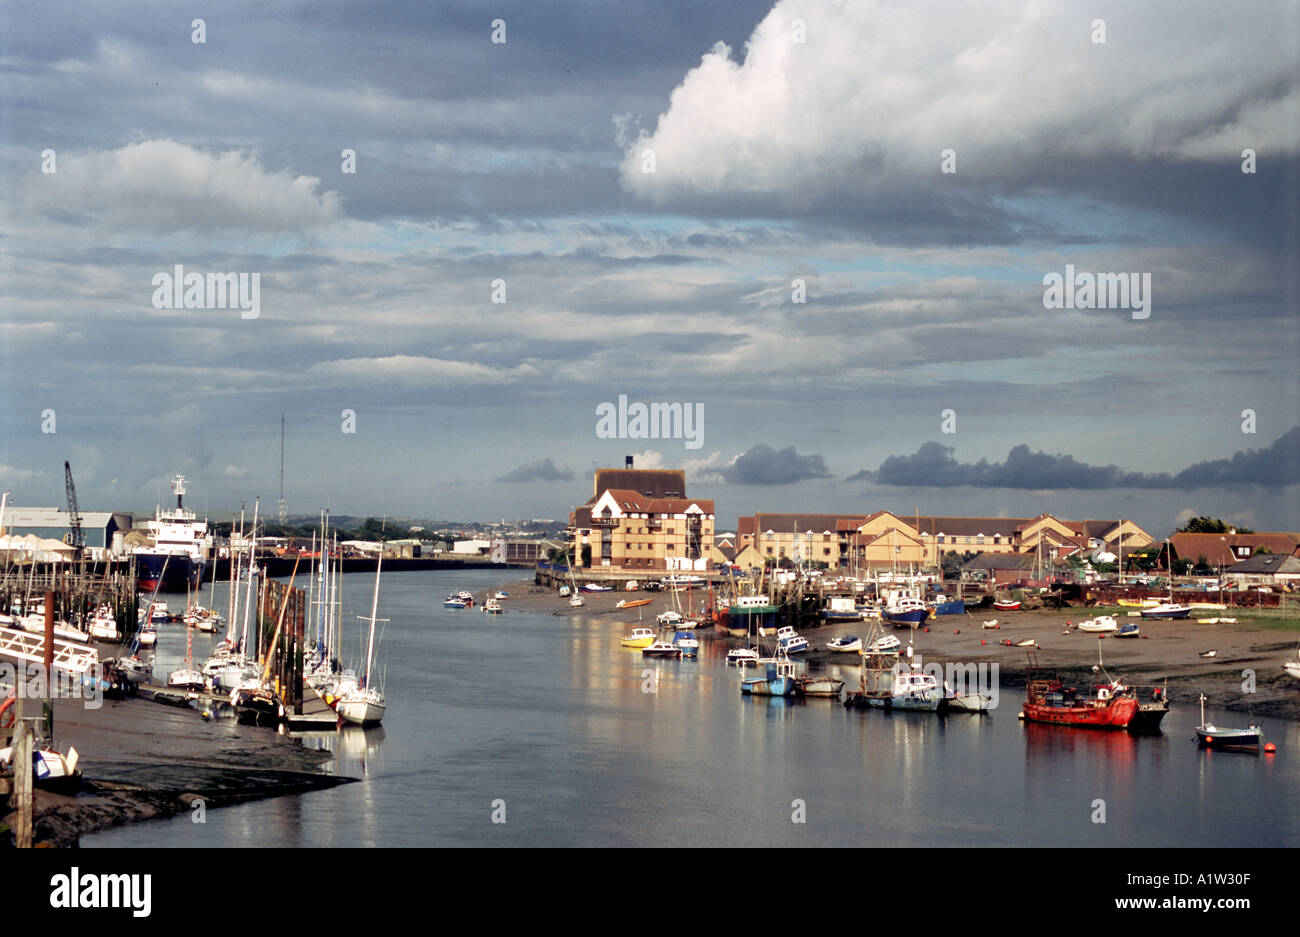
pixel 543 470
pixel 934 465
pixel 763 465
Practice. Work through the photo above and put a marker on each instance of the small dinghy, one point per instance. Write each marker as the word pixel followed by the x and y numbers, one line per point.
pixel 846 644
pixel 822 686
pixel 970 703
pixel 1129 630
pixel 1208 654
pixel 1007 605
pixel 990 624
pixel 885 644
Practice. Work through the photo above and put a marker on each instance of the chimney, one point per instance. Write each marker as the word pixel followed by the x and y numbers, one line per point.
pixel 627 461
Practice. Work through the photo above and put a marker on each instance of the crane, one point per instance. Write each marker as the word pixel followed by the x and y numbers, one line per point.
pixel 78 541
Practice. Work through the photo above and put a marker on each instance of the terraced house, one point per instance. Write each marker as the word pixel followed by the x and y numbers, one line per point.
pixel 884 539
pixel 640 520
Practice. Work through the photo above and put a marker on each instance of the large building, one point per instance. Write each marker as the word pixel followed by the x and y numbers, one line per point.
pixel 640 520
pixel 884 539
pixel 100 530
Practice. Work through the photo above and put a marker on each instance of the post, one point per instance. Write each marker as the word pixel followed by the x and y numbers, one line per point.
pixel 23 799
pixel 47 709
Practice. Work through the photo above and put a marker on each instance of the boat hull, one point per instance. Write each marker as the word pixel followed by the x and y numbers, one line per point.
pixel 769 686
pixel 1116 715
pixel 361 712
pixel 182 572
pixel 1229 739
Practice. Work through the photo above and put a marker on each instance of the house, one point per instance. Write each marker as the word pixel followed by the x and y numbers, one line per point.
pixel 652 530
pixel 1265 569
pixel 999 567
pixel 1225 550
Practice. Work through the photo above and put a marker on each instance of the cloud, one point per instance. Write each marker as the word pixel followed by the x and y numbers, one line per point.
pixel 879 89
pixel 934 465
pixel 543 470
pixel 763 465
pixel 234 471
pixel 163 186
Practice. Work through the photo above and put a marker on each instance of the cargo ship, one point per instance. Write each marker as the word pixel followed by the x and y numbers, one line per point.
pixel 179 551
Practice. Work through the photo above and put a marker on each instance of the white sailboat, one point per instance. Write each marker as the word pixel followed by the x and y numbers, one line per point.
pixel 365 705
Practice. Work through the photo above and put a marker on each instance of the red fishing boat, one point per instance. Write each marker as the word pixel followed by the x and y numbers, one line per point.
pixel 1101 706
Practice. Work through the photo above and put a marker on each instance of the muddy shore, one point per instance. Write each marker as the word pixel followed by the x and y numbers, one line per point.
pixel 1166 651
pixel 144 760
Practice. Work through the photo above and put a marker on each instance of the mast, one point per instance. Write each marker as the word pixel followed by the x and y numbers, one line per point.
pixel 284 511
pixel 374 609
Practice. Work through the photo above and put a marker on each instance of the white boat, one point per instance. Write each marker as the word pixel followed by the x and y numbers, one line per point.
pixel 1167 610
pixel 187 678
pixel 790 641
pixel 1293 668
pixel 661 649
pixel 103 626
pixel 670 618
pixel 846 644
pixel 498 595
pixel 492 607
pixel 970 702
pixel 36 625
pixel 576 602
pixel 148 636
pixel 884 644
pixel 564 591
pixel 742 656
pixel 1102 624
pixel 365 705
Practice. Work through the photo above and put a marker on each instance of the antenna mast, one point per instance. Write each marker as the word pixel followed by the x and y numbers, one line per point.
pixel 284 508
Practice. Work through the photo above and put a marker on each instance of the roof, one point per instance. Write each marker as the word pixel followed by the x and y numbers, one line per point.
pixel 653 483
pixel 1268 563
pixel 970 526
pixel 1218 548
pixel 54 517
pixel 999 561
pixel 798 523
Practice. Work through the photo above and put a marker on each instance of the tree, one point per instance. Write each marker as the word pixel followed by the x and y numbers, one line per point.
pixel 1210 525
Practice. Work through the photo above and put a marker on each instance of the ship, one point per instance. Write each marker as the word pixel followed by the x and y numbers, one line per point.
pixel 175 560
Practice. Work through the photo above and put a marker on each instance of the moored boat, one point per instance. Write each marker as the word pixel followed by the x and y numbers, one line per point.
pixel 1103 706
pixel 1167 610
pixel 820 686
pixel 640 637
pixel 1211 736
pixel 846 644
pixel 1102 624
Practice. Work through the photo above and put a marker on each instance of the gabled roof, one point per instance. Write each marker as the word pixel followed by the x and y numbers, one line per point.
pixel 991 561
pixel 1268 563
pixel 1218 548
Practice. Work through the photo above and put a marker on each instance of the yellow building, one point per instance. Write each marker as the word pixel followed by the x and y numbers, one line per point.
pixel 659 530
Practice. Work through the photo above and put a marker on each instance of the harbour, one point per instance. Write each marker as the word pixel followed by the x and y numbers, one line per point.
pixel 542 708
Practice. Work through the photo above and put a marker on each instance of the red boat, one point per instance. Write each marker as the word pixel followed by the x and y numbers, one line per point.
pixel 1102 706
pixel 1006 605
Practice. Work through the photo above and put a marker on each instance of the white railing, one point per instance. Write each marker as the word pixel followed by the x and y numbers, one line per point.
pixel 30 648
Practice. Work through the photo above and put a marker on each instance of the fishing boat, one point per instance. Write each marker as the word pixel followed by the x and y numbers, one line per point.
pixel 640 637
pixel 778 679
pixel 904 610
pixel 1151 709
pixel 1102 706
pixel 1167 610
pixel 841 609
pixel 749 614
pixel 1102 624
pixel 689 644
pixel 846 644
pixel 365 705
pixel 1211 736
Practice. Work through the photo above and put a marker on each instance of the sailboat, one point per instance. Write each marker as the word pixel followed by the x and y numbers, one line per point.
pixel 364 705
pixel 575 600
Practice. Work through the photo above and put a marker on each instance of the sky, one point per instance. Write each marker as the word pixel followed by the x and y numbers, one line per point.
pixel 826 227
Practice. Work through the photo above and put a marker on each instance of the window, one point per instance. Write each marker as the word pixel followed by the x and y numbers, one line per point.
pixel 940 538
pixel 979 538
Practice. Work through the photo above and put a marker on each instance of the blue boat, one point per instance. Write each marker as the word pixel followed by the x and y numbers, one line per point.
pixel 951 607
pixel 689 644
pixel 910 612
pixel 779 680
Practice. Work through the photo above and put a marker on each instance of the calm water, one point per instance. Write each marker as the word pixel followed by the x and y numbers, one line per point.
pixel 547 713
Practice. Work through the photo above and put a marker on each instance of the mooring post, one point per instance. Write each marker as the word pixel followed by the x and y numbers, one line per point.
pixel 23 799
pixel 47 709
